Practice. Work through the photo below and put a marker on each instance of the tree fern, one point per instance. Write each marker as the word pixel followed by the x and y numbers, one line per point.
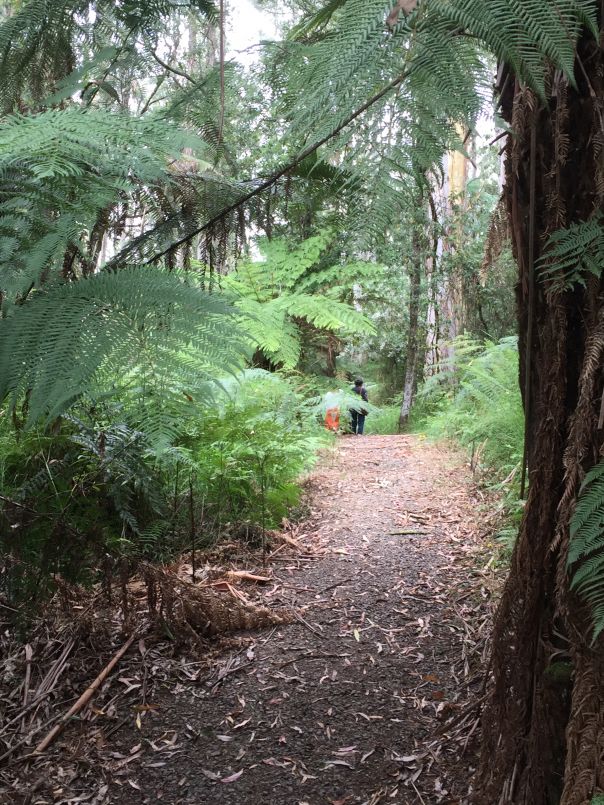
pixel 63 169
pixel 141 323
pixel 271 294
pixel 39 42
pixel 523 33
pixel 325 314
pixel 586 548
pixel 346 49
pixel 526 34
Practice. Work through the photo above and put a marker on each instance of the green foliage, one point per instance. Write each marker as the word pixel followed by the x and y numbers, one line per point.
pixel 149 326
pixel 40 42
pixel 288 289
pixel 586 548
pixel 71 496
pixel 345 51
pixel 477 400
pixel 573 254
pixel 527 35
pixel 472 221
pixel 95 490
pixel 117 374
pixel 63 174
pixel 383 421
pixel 251 449
pixel 474 399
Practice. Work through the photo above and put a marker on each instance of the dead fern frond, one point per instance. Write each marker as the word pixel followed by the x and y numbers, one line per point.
pixel 189 610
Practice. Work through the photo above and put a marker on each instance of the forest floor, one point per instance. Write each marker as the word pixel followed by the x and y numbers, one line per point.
pixel 368 692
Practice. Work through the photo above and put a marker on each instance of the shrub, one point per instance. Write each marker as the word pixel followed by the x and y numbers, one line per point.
pixel 94 489
pixel 476 401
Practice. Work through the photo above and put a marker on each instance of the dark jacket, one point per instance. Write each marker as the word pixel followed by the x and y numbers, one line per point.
pixel 363 392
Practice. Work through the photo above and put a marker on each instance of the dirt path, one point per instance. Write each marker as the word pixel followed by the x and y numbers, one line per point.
pixel 344 704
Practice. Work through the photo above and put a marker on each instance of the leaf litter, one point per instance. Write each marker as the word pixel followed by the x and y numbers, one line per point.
pixel 348 669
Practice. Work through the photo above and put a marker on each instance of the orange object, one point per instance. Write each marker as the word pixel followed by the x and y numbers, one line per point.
pixel 332 419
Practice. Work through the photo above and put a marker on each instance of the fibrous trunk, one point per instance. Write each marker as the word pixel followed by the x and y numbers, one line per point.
pixel 543 726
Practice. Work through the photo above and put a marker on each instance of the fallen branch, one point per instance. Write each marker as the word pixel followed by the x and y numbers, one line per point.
pixel 337 584
pixel 245 575
pixel 287 539
pixel 11 750
pixel 221 584
pixel 447 726
pixel 85 697
pixel 291 559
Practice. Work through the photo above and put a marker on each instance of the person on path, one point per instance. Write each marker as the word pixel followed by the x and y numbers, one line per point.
pixel 357 417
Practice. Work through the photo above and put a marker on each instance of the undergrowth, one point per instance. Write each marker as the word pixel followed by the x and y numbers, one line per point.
pixel 473 398
pixel 384 421
pixel 95 482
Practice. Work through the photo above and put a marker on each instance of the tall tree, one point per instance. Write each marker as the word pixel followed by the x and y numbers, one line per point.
pixel 544 728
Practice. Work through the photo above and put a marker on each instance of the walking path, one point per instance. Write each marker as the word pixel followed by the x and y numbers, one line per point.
pixel 363 697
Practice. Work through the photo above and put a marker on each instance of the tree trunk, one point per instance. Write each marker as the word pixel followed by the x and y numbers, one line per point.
pixel 413 340
pixel 543 726
pixel 333 348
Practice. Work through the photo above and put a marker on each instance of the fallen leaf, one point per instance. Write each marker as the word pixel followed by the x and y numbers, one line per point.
pixel 232 777
pixel 367 754
pixel 338 763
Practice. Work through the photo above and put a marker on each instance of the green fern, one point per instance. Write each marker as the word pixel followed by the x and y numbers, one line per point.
pixel 586 549
pixel 431 47
pixel 572 254
pixel 526 34
pixel 40 41
pixel 147 326
pixel 271 294
pixel 62 173
pixel 345 51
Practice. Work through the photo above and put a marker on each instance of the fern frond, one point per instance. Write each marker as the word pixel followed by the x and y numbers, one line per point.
pixel 270 331
pixel 526 34
pixel 40 39
pixel 573 253
pixel 63 169
pixel 338 277
pixel 137 320
pixel 271 296
pixel 586 547
pixel 325 314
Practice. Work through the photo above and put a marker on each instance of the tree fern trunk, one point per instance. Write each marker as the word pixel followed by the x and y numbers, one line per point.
pixel 544 722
